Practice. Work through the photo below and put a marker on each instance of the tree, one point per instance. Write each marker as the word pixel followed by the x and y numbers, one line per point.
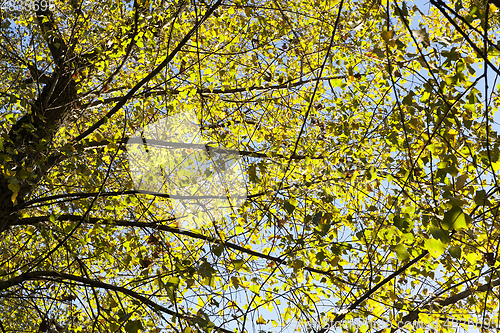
pixel 367 141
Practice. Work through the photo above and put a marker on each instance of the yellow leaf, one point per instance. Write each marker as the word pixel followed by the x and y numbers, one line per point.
pixel 472 258
pixel 98 137
pixel 469 60
pixel 378 309
pixel 387 36
pixel 261 321
pixel 15 190
pixel 496 166
pixel 254 288
pixel 435 247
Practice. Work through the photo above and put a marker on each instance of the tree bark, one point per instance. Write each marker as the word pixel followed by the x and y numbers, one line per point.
pixel 31 136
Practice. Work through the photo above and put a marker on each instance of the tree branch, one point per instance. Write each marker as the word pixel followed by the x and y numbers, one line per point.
pixel 219 91
pixel 366 295
pixel 413 315
pixel 198 146
pixel 173 230
pixel 439 5
pixel 123 100
pixel 56 276
pixel 31 133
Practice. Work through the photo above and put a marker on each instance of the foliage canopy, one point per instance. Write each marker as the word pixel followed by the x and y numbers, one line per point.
pixel 366 134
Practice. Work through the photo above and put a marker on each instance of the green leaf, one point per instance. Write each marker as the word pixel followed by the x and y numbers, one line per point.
pixel 190 282
pixel 217 250
pixel 289 207
pixel 455 218
pixel 323 228
pixel 297 264
pixel 481 198
pixel 387 36
pixel 438 233
pixel 206 270
pixel 461 182
pixel 132 326
pixel 379 52
pixel 238 263
pixel 320 256
pixel 401 252
pixel 455 251
pixel 435 247
pixel 372 173
pixel 401 223
pixel 317 218
pixel 252 173
pixel 173 281
pixel 235 282
pixel 403 12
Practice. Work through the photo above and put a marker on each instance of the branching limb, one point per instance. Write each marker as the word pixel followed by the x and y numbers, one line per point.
pixel 58 277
